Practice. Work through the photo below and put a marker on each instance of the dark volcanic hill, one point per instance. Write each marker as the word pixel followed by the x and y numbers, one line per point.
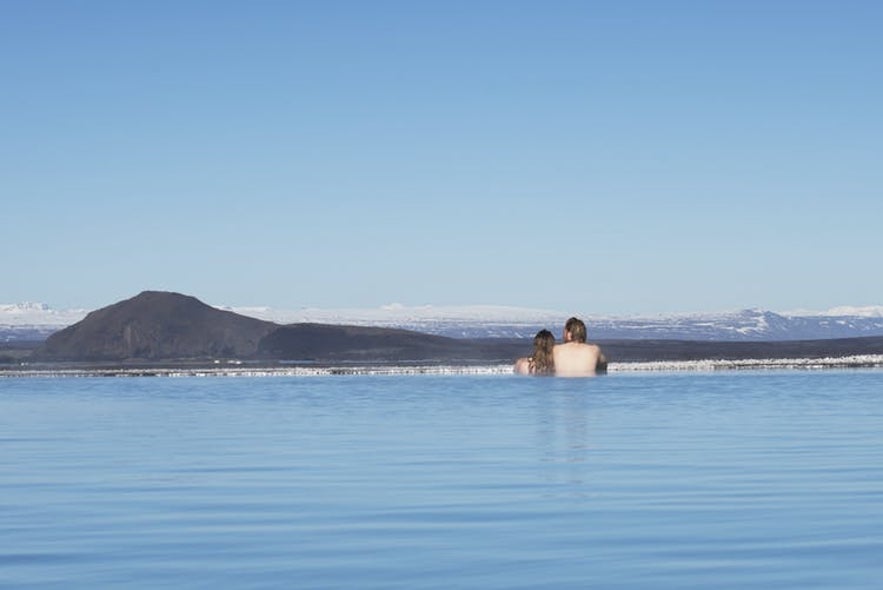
pixel 156 325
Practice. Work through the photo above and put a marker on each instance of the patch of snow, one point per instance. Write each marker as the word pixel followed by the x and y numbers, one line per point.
pixel 861 311
pixel 868 311
pixel 398 313
pixel 38 314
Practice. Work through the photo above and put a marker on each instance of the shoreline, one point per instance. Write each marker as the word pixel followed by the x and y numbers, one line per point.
pixel 238 370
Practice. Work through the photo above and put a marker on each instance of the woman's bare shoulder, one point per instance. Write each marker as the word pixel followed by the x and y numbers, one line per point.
pixel 522 366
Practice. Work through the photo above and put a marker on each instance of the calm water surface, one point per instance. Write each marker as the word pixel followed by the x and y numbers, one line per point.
pixel 730 480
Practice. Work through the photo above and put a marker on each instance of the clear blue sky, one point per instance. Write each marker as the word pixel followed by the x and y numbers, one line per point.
pixel 602 157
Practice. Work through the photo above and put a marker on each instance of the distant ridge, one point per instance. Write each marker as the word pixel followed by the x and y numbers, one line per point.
pixel 164 326
pixel 694 350
pixel 156 325
pixel 331 343
pixel 35 322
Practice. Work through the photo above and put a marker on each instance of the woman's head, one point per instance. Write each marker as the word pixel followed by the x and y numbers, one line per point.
pixel 542 363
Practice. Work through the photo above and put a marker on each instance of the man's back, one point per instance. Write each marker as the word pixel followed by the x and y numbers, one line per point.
pixel 576 359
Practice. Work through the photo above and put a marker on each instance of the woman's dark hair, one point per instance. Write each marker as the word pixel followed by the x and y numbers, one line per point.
pixel 542 363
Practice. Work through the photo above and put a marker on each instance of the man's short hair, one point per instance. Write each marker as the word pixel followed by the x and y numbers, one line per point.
pixel 577 329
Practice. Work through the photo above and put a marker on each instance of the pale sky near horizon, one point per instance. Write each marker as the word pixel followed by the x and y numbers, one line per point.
pixel 603 157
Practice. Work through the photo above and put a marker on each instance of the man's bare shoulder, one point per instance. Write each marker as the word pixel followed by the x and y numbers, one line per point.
pixel 576 346
pixel 576 359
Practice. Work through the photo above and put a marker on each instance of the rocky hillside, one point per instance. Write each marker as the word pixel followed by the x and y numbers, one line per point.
pixel 156 325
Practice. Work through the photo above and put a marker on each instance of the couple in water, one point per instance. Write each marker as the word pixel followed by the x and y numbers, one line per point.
pixel 573 358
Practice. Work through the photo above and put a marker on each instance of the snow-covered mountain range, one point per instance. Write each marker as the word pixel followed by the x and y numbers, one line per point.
pixel 35 321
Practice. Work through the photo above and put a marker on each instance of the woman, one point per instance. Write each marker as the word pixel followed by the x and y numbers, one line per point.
pixel 540 363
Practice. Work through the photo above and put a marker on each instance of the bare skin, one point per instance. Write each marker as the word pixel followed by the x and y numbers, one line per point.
pixel 522 366
pixel 576 359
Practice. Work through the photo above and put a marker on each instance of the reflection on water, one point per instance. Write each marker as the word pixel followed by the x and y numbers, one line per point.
pixel 562 435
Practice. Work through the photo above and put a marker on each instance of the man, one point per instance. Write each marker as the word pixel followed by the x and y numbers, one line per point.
pixel 575 358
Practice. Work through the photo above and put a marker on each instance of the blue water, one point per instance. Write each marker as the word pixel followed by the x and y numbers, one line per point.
pixel 729 480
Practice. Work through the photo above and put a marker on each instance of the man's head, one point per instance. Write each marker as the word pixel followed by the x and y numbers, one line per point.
pixel 574 330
